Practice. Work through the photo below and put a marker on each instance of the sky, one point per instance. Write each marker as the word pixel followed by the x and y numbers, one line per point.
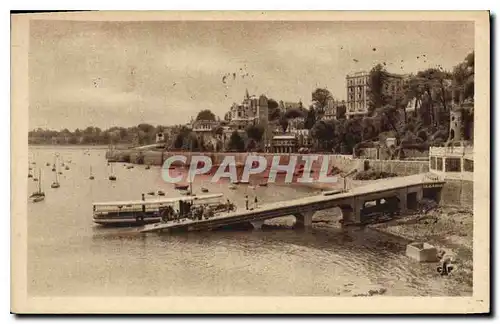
pixel 104 74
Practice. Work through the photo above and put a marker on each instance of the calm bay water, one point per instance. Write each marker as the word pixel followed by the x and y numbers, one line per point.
pixel 70 256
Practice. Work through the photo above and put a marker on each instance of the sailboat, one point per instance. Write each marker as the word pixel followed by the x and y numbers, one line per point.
pixel 29 173
pixel 112 177
pixel 54 165
pixel 91 177
pixel 38 195
pixel 55 184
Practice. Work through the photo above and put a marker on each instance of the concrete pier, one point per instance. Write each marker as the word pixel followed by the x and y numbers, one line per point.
pixel 304 219
pixel 394 191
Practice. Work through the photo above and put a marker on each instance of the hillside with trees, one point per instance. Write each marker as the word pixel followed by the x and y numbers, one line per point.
pixel 417 116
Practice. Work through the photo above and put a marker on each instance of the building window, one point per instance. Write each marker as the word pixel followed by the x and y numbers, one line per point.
pixel 439 165
pixel 452 165
pixel 433 163
pixel 468 165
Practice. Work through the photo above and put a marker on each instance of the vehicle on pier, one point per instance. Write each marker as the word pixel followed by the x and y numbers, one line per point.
pixel 141 212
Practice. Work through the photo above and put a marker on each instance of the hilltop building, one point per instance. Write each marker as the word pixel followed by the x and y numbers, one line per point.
pixel 358 87
pixel 331 110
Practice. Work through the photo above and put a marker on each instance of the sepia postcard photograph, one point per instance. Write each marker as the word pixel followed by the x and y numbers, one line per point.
pixel 254 162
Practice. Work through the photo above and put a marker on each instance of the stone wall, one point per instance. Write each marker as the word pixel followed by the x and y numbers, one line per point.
pixel 399 167
pixel 458 192
pixel 344 162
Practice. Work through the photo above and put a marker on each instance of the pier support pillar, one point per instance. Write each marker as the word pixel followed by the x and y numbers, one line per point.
pixel 420 194
pixel 403 201
pixel 257 224
pixel 347 213
pixel 357 210
pixel 303 219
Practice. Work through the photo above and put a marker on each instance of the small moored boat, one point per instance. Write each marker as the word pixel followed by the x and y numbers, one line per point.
pixel 55 184
pixel 112 177
pixel 179 186
pixel 38 195
pixel 38 199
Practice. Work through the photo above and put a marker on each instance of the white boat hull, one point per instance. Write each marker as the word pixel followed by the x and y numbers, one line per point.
pixel 126 221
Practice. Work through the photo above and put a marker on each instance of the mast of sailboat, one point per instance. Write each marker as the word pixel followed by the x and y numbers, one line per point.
pixel 39 180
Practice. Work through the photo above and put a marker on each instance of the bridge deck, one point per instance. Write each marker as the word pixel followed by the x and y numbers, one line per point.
pixel 288 207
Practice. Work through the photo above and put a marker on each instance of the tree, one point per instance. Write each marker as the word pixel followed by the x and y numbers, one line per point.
pixel 146 128
pixel 293 113
pixel 274 114
pixel 205 114
pixel 369 129
pixel 273 109
pixel 437 89
pixel 340 113
pixel 388 117
pixel 236 143
pixel 377 78
pixel 324 133
pixel 272 104
pixel 251 145
pixel 320 98
pixel 463 79
pixel 310 118
pixel 283 123
pixel 255 132
pixel 194 144
pixel 353 134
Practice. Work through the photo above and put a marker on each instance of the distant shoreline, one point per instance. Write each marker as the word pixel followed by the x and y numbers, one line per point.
pixel 81 146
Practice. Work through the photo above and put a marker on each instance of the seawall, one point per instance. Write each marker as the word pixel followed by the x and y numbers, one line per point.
pixel 458 193
pixel 399 167
pixel 345 163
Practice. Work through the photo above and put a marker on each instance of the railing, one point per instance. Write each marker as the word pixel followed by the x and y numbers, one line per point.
pixel 451 150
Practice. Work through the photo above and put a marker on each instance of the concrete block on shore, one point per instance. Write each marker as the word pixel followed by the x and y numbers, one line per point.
pixel 422 252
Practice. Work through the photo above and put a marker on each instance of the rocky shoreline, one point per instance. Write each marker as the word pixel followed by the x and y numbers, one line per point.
pixel 450 230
